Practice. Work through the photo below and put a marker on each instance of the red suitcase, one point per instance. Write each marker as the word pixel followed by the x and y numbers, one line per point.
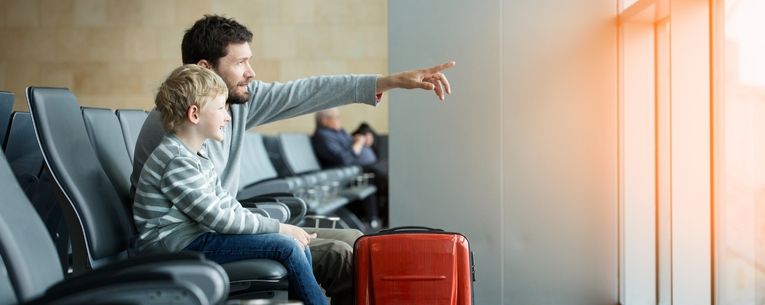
pixel 413 266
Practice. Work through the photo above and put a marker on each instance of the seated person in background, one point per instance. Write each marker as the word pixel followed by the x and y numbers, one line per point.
pixel 335 147
pixel 180 204
pixel 379 167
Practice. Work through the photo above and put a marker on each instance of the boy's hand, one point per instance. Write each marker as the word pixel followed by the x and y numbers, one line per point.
pixel 301 236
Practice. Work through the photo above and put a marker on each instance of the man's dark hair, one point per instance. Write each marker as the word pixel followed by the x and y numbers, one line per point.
pixel 208 38
pixel 364 128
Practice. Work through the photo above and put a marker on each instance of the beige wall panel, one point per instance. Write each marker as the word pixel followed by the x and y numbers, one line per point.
pixel 21 13
pixel 90 12
pixel 158 12
pixel 298 11
pixel 2 12
pixel 56 12
pixel 314 41
pixel 188 11
pixel 277 41
pixel 115 53
pixel 124 13
pixel 2 76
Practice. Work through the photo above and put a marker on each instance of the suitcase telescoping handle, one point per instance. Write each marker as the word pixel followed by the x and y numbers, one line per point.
pixel 410 229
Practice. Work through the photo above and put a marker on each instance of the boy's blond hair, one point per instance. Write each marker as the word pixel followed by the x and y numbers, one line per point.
pixel 187 85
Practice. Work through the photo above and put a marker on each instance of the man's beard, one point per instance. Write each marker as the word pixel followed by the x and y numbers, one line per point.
pixel 234 99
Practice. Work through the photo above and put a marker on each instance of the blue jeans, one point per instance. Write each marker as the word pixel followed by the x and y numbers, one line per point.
pixel 224 248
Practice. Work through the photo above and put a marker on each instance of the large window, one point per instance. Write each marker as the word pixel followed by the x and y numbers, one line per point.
pixel 666 156
pixel 740 152
pixel 692 151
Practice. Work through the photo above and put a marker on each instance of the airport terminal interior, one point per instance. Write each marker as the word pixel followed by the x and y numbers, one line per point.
pixel 585 152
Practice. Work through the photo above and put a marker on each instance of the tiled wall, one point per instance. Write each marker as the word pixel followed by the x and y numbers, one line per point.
pixel 114 53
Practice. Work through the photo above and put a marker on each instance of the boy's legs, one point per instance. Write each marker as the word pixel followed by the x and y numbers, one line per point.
pixel 332 253
pixel 223 248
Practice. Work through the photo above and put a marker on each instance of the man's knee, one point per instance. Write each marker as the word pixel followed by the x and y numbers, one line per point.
pixel 354 234
pixel 332 255
pixel 339 249
pixel 349 236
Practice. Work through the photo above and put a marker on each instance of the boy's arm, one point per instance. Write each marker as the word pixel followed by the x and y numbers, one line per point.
pixel 189 190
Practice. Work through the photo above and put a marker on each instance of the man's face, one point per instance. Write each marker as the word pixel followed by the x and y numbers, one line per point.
pixel 236 71
pixel 332 120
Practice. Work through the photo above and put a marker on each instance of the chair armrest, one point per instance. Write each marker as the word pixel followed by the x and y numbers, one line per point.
pixel 297 206
pixel 318 218
pixel 272 207
pixel 192 267
pixel 259 211
pixel 133 288
pixel 265 187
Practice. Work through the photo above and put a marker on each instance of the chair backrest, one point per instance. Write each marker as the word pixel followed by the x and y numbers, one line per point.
pixel 6 107
pixel 255 166
pixel 22 150
pixel 26 161
pixel 7 296
pixel 107 138
pixel 381 147
pixel 297 153
pixel 131 121
pixel 98 222
pixel 26 249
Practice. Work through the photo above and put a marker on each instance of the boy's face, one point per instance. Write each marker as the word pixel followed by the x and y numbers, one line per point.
pixel 213 118
pixel 236 71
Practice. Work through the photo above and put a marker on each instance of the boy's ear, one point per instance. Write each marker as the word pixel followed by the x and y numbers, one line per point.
pixel 204 64
pixel 192 114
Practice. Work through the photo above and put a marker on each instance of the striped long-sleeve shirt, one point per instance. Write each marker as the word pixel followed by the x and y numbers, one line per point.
pixel 179 197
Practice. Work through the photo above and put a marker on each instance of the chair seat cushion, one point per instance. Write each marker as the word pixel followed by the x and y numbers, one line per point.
pixel 255 269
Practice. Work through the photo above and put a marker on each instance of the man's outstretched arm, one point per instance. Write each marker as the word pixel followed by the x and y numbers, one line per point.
pixel 431 78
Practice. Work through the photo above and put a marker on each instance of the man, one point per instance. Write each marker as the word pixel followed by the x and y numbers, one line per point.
pixel 334 147
pixel 223 45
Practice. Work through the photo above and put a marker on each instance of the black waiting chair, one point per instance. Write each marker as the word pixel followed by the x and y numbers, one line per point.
pixel 297 157
pixel 6 107
pixel 106 137
pixel 258 179
pixel 22 151
pixel 30 273
pixel 293 155
pixel 26 161
pixel 131 121
pixel 98 222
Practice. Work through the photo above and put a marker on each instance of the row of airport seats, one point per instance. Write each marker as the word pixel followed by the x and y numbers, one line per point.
pixel 287 163
pixel 99 225
pixel 93 195
pixel 30 272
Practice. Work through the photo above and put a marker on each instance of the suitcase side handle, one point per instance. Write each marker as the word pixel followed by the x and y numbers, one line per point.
pixel 410 228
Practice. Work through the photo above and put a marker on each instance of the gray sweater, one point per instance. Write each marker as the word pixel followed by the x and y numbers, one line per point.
pixel 269 102
pixel 179 197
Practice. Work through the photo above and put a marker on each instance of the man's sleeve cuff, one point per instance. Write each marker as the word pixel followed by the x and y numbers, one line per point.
pixel 366 90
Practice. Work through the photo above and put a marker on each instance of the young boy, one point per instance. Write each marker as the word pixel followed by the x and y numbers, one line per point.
pixel 180 204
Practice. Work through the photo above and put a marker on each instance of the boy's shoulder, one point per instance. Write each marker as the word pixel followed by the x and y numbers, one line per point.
pixel 169 149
